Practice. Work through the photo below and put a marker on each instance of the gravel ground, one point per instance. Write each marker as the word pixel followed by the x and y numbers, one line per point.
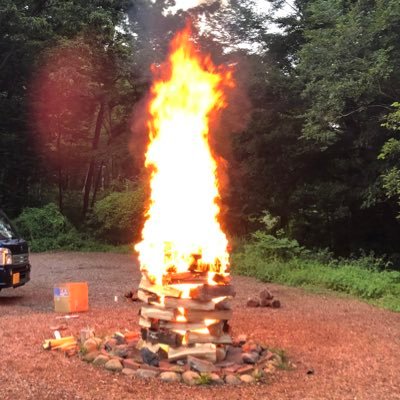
pixel 352 347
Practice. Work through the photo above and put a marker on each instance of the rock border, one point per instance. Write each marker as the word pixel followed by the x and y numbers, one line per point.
pixel 243 362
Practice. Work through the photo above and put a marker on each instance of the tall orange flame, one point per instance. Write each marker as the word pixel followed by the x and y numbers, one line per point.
pixel 182 225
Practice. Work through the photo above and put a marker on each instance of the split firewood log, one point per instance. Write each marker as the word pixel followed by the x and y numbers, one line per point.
pixel 52 343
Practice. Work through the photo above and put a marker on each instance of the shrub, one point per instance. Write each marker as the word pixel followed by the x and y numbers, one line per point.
pixel 39 223
pixel 47 229
pixel 269 246
pixel 118 217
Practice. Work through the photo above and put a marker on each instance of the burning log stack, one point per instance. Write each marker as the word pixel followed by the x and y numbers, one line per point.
pixel 183 252
pixel 187 315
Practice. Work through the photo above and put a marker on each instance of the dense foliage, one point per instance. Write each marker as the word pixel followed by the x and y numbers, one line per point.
pixel 117 218
pixel 313 144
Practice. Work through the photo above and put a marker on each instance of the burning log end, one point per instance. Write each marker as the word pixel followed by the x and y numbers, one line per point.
pixel 147 297
pixel 166 337
pixel 222 279
pixel 209 292
pixel 223 305
pixel 216 329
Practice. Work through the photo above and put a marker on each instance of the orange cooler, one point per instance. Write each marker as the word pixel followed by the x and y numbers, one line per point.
pixel 71 297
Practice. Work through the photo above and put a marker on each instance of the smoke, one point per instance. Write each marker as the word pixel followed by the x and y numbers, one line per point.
pixel 188 4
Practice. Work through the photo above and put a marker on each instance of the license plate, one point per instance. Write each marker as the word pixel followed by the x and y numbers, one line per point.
pixel 16 278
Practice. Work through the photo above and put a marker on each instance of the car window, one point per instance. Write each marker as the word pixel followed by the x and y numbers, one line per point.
pixel 6 229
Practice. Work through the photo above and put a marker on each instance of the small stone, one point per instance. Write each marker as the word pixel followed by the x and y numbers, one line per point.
pixel 128 371
pixel 121 350
pixel 250 358
pixel 170 377
pixel 232 380
pixel 90 345
pixel 100 360
pixel 234 354
pixel 90 357
pixel 216 379
pixel 247 379
pixel 190 377
pixel 221 354
pixel 276 304
pixel 135 355
pixel 149 357
pixel 200 365
pixel 145 373
pixel 113 365
pixel 131 364
pixel 110 344
pixel 119 337
pixel 166 366
pixel 266 295
pixel 265 303
pixel 253 302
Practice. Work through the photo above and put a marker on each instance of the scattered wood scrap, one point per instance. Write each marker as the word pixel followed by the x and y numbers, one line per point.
pixel 67 345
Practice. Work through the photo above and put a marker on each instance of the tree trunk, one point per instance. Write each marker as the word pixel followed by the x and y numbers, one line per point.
pixel 60 177
pixel 60 191
pixel 97 184
pixel 89 176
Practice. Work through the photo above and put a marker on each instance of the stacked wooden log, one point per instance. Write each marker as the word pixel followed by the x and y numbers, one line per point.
pixel 187 315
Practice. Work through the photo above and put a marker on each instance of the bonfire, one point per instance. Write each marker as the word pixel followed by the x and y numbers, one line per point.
pixel 183 253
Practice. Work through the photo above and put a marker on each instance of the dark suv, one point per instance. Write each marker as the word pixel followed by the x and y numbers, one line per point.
pixel 14 256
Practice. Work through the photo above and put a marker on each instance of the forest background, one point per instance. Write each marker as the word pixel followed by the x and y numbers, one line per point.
pixel 310 138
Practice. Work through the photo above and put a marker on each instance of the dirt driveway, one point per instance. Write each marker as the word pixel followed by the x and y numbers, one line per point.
pixel 353 348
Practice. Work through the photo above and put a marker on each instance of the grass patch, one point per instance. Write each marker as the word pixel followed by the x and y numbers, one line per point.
pixel 360 278
pixel 204 379
pixel 283 362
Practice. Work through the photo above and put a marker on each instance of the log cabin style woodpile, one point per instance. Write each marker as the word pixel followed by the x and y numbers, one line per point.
pixel 188 315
